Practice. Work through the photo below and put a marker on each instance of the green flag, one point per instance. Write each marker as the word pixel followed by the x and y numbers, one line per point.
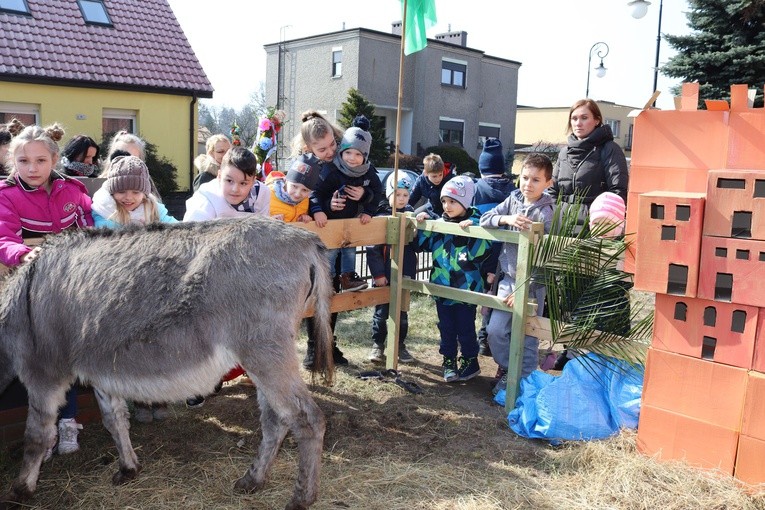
pixel 420 15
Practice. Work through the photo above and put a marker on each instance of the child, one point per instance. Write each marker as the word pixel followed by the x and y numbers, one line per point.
pixel 35 200
pixel 80 157
pixel 525 205
pixel 457 262
pixel 429 184
pixel 208 164
pixel 7 132
pixel 378 260
pixel 348 188
pixel 129 142
pixel 289 194
pixel 235 192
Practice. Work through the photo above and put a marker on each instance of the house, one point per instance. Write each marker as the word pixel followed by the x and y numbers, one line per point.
pixel 545 128
pixel 100 66
pixel 452 94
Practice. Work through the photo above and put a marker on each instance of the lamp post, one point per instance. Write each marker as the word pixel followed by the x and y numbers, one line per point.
pixel 639 9
pixel 601 49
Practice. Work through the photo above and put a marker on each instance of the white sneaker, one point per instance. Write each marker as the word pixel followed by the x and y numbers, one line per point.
pixel 68 429
pixel 376 354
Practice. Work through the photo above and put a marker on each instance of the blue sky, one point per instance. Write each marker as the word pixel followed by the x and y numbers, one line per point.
pixel 551 38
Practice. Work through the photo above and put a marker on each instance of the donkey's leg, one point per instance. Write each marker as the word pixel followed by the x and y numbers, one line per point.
pixel 40 434
pixel 115 418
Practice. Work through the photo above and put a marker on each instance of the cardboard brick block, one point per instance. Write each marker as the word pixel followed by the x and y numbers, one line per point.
pixel 746 132
pixel 644 179
pixel 703 390
pixel 672 436
pixel 758 363
pixel 750 467
pixel 669 240
pixel 689 96
pixel 753 417
pixel 711 330
pixel 732 270
pixel 736 204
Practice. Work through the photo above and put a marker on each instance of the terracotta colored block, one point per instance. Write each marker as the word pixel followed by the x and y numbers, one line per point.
pixel 753 417
pixel 644 179
pixel 703 390
pixel 630 229
pixel 758 363
pixel 739 97
pixel 716 105
pixel 680 139
pixel 732 270
pixel 672 436
pixel 750 467
pixel 746 132
pixel 711 330
pixel 669 237
pixel 736 204
pixel 689 96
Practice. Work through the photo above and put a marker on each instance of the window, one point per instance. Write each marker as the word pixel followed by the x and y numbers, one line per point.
pixel 114 120
pixel 27 114
pixel 453 73
pixel 450 131
pixel 15 6
pixel 337 62
pixel 615 126
pixel 94 12
pixel 628 140
pixel 487 131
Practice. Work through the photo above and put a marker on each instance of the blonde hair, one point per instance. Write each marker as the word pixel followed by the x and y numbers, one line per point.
pixel 210 143
pixel 314 126
pixel 9 130
pixel 432 164
pixel 49 136
pixel 150 212
pixel 128 138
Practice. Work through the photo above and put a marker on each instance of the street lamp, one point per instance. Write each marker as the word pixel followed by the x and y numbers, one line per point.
pixel 639 9
pixel 601 49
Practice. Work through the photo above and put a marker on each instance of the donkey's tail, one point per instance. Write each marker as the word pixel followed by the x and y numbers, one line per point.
pixel 321 291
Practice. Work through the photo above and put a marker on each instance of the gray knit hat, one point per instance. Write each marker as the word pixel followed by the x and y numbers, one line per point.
pixel 461 189
pixel 356 138
pixel 305 170
pixel 128 173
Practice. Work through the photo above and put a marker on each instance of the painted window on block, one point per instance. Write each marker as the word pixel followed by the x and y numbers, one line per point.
pixel 681 311
pixel 738 321
pixel 710 316
pixel 683 212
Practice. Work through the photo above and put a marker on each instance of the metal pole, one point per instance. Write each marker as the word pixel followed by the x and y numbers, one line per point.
pixel 658 47
pixel 600 46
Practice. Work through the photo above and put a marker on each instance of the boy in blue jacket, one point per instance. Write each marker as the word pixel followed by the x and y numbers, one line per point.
pixel 429 185
pixel 458 262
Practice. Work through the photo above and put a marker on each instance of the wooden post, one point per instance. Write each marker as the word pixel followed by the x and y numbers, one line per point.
pixel 397 240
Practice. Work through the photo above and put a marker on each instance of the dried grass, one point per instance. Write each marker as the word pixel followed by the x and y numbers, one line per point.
pixel 447 449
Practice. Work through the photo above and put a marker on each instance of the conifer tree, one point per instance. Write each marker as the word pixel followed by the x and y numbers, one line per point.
pixel 727 47
pixel 357 104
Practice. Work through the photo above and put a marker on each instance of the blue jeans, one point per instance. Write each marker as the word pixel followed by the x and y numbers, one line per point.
pixel 456 323
pixel 347 259
pixel 69 410
pixel 380 325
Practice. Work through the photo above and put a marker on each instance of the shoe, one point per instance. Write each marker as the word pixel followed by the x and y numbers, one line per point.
pixel 195 402
pixel 469 368
pixel 450 369
pixel 142 413
pixel 501 381
pixel 68 429
pixel 376 354
pixel 160 412
pixel 404 356
pixel 483 347
pixel 310 356
pixel 351 282
pixel 337 355
pixel 561 361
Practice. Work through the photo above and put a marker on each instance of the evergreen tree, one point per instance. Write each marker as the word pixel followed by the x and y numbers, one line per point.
pixel 727 47
pixel 356 104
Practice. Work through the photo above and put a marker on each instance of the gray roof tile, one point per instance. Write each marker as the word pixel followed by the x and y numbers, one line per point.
pixel 145 47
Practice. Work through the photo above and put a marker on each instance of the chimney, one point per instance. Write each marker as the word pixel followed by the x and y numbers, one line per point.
pixel 395 28
pixel 458 38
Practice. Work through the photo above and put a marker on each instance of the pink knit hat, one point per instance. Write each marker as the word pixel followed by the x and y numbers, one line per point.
pixel 608 206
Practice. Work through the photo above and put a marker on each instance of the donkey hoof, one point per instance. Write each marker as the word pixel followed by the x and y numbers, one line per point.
pixel 247 484
pixel 124 476
pixel 294 505
pixel 14 497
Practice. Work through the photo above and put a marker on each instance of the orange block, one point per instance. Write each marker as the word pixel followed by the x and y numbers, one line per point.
pixel 736 204
pixel 689 96
pixel 720 332
pixel 732 270
pixel 644 179
pixel 672 436
pixel 746 132
pixel 669 240
pixel 680 139
pixel 750 467
pixel 759 345
pixel 739 99
pixel 753 420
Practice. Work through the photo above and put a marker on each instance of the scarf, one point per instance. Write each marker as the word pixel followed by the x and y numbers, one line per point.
pixel 248 204
pixel 356 171
pixel 280 190
pixel 578 150
pixel 78 169
pixel 466 216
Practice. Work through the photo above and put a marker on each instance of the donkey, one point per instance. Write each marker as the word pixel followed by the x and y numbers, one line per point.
pixel 160 313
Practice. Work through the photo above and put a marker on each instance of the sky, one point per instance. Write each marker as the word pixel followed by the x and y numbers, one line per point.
pixel 551 38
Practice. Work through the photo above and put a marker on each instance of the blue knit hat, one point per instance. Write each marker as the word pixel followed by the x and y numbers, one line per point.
pixel 404 182
pixel 492 161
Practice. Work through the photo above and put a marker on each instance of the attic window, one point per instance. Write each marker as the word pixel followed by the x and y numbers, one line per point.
pixel 15 6
pixel 94 12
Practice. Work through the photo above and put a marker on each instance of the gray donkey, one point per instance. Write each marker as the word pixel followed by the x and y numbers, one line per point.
pixel 158 314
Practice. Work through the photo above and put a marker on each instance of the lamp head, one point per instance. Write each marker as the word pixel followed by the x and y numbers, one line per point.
pixel 600 71
pixel 638 8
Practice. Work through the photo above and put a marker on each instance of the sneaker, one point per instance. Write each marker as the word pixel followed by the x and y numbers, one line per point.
pixel 350 282
pixel 337 356
pixel 68 429
pixel 483 347
pixel 376 354
pixel 501 381
pixel 160 412
pixel 404 356
pixel 450 369
pixel 142 413
pixel 194 402
pixel 310 356
pixel 469 368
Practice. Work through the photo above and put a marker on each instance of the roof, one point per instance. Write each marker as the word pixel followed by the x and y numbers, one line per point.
pixel 144 48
